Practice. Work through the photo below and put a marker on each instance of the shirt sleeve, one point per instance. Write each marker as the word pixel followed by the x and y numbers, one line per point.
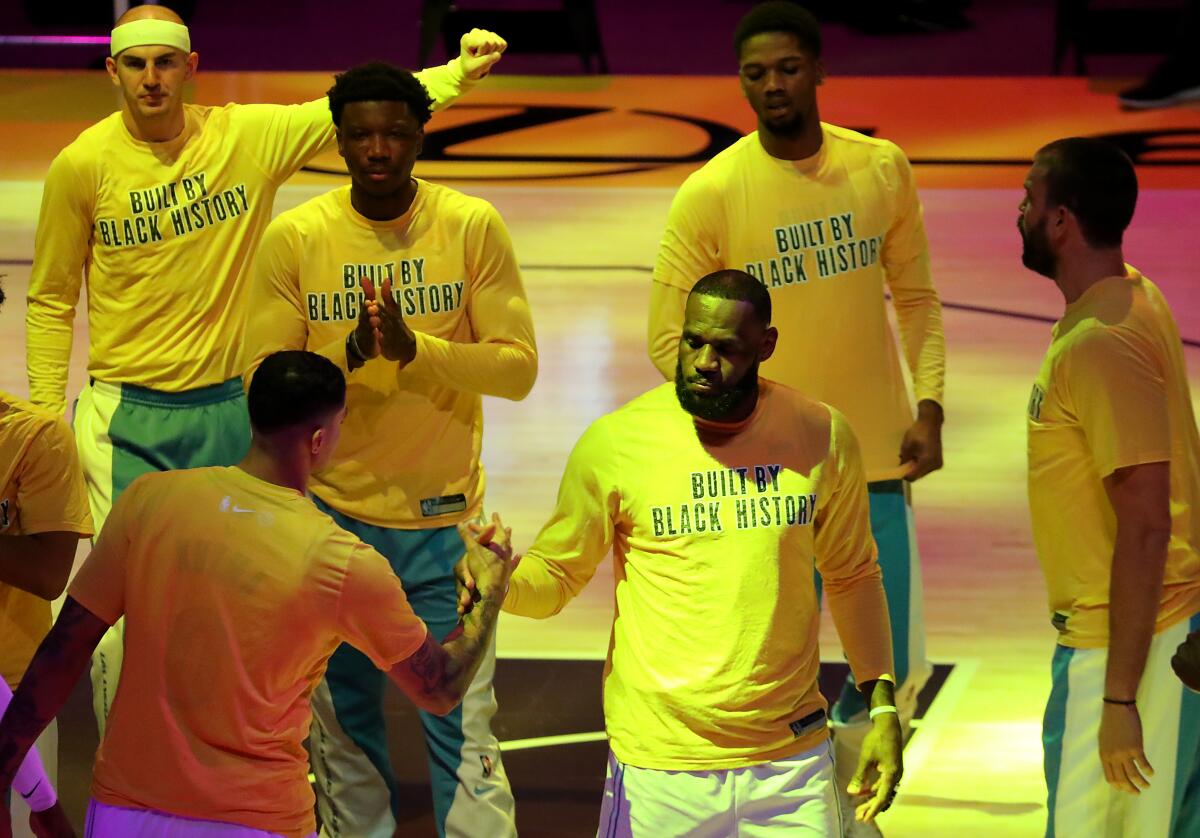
pixel 61 249
pixel 31 780
pixel 99 586
pixel 445 83
pixel 1118 392
pixel 373 614
pixel 285 137
pixel 50 489
pixel 276 319
pixel 906 266
pixel 847 561
pixel 577 537
pixel 502 359
pixel 689 250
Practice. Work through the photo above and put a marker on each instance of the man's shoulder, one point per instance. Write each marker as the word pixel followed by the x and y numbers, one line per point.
pixel 725 164
pixel 317 212
pixel 853 141
pixel 22 419
pixel 798 408
pixel 449 203
pixel 640 411
pixel 94 142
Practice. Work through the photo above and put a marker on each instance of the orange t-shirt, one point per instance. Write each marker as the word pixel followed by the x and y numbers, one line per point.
pixel 235 592
pixel 41 490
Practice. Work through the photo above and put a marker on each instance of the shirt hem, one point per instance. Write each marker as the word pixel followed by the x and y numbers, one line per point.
pixel 649 761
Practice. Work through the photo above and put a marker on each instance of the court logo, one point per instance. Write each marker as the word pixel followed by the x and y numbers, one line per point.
pixel 555 153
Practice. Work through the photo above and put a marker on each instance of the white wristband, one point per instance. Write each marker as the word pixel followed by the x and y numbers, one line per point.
pixel 884 708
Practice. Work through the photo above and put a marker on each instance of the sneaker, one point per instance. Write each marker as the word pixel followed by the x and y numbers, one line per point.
pixel 1171 83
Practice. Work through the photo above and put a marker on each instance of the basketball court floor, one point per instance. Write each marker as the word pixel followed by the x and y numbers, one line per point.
pixel 583 170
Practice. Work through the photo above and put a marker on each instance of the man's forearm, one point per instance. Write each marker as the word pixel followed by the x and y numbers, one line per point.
pixel 466 651
pixel 55 669
pixel 1135 591
pixel 437 675
pixel 38 564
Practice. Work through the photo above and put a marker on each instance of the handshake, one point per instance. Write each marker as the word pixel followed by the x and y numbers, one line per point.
pixel 486 566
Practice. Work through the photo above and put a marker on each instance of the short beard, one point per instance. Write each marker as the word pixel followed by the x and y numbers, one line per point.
pixel 1035 251
pixel 789 131
pixel 717 407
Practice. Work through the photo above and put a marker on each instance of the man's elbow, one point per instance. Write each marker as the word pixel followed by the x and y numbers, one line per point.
pixel 51 586
pixel 522 379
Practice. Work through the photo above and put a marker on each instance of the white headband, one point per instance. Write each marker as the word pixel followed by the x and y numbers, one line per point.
pixel 150 32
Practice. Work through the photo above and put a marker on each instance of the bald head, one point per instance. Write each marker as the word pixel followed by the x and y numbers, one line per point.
pixel 149 13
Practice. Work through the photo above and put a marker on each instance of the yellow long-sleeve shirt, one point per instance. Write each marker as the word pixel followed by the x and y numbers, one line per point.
pixel 714 529
pixel 828 236
pixel 165 233
pixel 408 456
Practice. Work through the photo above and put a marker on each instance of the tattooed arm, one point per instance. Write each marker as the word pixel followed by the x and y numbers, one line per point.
pixel 437 675
pixel 48 682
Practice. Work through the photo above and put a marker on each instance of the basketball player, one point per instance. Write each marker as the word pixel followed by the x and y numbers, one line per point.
pixel 43 514
pixel 1114 492
pixel 236 589
pixel 446 322
pixel 164 203
pixel 828 220
pixel 714 493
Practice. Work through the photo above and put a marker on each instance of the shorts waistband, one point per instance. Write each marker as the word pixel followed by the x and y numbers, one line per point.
pixel 211 394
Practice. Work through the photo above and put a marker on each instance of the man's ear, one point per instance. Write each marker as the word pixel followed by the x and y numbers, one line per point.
pixel 820 71
pixel 767 347
pixel 316 441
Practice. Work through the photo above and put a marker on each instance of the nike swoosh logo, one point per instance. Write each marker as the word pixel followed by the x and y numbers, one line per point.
pixel 482 790
pixel 33 790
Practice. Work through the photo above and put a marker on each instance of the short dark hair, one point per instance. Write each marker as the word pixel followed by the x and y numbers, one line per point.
pixel 732 284
pixel 1095 180
pixel 779 16
pixel 379 81
pixel 292 388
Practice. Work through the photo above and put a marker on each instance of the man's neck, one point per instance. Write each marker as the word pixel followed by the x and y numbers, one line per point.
pixel 1074 276
pixel 802 145
pixel 383 208
pixel 270 467
pixel 160 130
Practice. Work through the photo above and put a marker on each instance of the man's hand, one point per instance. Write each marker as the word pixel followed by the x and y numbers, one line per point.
pixel 881 751
pixel 396 341
pixel 51 823
pixel 489 560
pixel 921 449
pixel 479 50
pixel 1186 662
pixel 1125 765
pixel 366 337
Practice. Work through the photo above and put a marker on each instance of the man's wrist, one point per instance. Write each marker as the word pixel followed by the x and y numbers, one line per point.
pixel 930 411
pixel 354 355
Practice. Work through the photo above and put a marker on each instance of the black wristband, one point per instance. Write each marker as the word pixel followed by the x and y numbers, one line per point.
pixel 352 350
pixel 1131 703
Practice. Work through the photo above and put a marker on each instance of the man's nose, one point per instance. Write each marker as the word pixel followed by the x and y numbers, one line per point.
pixel 706 359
